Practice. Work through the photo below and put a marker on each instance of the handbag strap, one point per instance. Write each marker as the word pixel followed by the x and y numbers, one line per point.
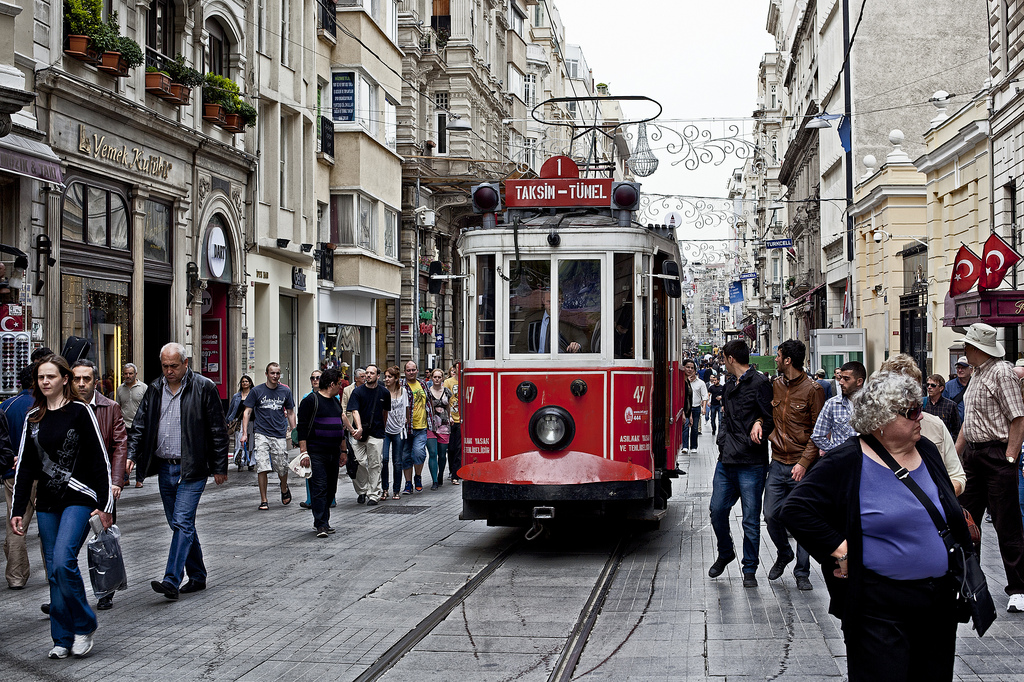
pixel 903 474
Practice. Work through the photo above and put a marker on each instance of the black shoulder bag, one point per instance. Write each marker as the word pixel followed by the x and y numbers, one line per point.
pixel 974 592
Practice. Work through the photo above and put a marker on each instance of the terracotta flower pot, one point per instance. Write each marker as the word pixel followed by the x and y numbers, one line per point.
pixel 214 113
pixel 80 47
pixel 233 123
pixel 180 94
pixel 114 64
pixel 158 84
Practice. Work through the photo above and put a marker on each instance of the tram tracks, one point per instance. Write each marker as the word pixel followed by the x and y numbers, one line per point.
pixel 569 654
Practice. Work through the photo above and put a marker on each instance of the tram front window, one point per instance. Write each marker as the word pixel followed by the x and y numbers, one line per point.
pixel 579 314
pixel 530 308
pixel 623 302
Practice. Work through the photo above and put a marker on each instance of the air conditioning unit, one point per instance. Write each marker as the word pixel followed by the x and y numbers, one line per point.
pixel 426 218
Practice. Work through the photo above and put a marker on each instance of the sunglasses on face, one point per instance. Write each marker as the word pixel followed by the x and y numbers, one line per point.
pixel 911 413
pixel 932 385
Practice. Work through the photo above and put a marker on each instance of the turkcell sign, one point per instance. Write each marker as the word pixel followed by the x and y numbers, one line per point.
pixel 558 192
pixel 748 275
pixel 778 243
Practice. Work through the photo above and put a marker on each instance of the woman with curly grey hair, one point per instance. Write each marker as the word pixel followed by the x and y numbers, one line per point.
pixel 885 565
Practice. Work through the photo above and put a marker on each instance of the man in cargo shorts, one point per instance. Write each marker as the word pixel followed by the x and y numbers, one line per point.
pixel 273 408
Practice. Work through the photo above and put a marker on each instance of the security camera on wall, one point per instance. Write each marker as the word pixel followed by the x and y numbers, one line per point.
pixel 878 236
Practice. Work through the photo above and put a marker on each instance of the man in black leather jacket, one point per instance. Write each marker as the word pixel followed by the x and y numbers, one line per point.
pixel 179 435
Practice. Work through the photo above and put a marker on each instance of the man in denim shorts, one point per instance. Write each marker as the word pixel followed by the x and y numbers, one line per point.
pixel 273 409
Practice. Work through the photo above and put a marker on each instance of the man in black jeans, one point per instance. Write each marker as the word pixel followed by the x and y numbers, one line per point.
pixel 742 460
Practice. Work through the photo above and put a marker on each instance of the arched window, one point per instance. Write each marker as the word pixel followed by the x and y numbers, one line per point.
pixel 217 50
pixel 95 215
pixel 775 149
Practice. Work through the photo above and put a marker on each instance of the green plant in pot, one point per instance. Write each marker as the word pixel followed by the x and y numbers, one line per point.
pixel 82 17
pixel 130 51
pixel 106 36
pixel 182 73
pixel 248 113
pixel 219 90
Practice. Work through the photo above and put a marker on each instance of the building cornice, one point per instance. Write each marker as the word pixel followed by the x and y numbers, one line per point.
pixel 884 193
pixel 966 139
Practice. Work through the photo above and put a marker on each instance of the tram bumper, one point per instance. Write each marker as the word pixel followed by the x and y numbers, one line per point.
pixel 574 484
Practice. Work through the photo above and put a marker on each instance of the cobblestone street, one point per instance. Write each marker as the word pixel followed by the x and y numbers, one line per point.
pixel 282 604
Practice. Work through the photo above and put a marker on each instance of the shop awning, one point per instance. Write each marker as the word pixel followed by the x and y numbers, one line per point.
pixel 804 298
pixel 30 159
pixel 999 308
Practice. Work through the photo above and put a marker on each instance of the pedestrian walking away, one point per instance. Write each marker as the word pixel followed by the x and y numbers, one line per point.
pixel 368 411
pixel 321 433
pixel 114 434
pixel 742 461
pixel 833 426
pixel 271 409
pixel 990 446
pixel 61 447
pixel 885 566
pixel 796 403
pixel 179 436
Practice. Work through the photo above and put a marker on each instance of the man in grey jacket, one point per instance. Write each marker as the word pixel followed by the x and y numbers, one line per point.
pixel 179 435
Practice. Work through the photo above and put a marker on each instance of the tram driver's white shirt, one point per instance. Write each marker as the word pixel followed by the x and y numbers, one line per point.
pixel 544 324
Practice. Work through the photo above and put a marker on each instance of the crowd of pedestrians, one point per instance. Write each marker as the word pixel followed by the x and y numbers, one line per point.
pixel 863 480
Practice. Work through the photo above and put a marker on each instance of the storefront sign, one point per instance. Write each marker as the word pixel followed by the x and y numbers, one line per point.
pixel 778 243
pixel 439 341
pixel 29 166
pixel 344 96
pixel 210 364
pixel 298 279
pixel 1000 307
pixel 133 158
pixel 216 250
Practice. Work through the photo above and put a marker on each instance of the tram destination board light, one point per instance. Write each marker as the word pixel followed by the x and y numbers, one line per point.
pixel 486 198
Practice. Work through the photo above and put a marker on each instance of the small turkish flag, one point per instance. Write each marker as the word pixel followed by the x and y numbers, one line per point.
pixel 966 270
pixel 997 258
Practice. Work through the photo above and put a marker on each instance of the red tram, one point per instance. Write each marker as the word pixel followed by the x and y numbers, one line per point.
pixel 571 393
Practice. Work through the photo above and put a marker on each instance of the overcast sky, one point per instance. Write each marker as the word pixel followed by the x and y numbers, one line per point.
pixel 699 59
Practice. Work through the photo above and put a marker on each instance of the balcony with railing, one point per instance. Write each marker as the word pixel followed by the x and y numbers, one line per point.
pixel 326 263
pixel 327 20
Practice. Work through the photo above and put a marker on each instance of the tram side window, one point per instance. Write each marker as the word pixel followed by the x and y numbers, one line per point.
pixel 529 307
pixel 579 312
pixel 485 307
pixel 622 300
pixel 644 302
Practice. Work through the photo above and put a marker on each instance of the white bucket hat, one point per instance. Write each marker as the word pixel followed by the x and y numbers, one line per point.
pixel 983 337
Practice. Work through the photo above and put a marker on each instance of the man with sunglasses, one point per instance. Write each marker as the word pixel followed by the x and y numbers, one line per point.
pixel 990 445
pixel 942 407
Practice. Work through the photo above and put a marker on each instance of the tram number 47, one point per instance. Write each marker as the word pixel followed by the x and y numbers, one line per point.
pixel 638 394
pixel 469 394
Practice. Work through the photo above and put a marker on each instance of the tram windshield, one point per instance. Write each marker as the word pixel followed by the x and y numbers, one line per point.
pixel 576 298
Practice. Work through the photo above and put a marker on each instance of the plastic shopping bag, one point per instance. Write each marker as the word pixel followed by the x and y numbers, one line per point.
pixel 106 564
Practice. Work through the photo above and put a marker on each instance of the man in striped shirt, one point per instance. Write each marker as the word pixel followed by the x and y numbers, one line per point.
pixel 833 426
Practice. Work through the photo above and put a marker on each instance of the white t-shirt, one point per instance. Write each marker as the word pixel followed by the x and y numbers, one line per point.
pixel 396 415
pixel 700 391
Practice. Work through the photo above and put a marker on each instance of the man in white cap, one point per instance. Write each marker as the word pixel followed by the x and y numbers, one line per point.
pixel 957 386
pixel 990 445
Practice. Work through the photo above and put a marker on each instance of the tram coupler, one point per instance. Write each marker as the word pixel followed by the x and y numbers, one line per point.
pixel 543 512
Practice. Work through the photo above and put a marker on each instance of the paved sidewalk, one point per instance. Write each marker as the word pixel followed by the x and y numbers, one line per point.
pixel 282 604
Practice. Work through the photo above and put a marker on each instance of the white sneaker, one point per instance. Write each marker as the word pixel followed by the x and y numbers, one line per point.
pixel 58 652
pixel 685 450
pixel 1016 603
pixel 83 644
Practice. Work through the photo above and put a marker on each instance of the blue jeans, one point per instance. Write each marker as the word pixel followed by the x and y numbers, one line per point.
pixel 414 449
pixel 181 499
pixel 779 484
pixel 1020 490
pixel 62 535
pixel 691 429
pixel 392 446
pixel 714 413
pixel 743 482
pixel 438 453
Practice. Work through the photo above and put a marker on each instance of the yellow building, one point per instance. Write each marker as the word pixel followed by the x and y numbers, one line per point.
pixel 889 223
pixel 956 165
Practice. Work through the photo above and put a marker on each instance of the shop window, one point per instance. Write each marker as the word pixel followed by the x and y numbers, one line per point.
pixel 95 215
pixel 99 310
pixel 160 27
pixel 157 240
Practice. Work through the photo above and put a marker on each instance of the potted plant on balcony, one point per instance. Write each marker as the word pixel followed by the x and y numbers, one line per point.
pixel 233 122
pixel 81 21
pixel 218 92
pixel 183 79
pixel 119 53
pixel 158 82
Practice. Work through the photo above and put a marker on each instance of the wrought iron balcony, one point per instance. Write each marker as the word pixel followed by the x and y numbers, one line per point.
pixel 327 18
pixel 325 141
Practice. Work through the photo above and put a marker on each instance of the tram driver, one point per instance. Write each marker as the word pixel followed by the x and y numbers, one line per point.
pixel 533 334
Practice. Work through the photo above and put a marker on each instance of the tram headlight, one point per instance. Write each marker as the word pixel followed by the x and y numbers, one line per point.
pixel 552 428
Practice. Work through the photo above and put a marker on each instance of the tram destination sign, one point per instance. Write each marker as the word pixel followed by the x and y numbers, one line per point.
pixel 558 192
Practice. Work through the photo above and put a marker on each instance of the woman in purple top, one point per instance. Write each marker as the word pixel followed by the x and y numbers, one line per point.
pixel 885 565
pixel 321 434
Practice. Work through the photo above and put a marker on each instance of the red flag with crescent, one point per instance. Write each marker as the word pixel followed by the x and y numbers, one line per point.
pixel 966 271
pixel 997 258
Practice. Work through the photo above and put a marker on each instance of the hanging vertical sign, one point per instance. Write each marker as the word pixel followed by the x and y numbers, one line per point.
pixel 736 292
pixel 344 96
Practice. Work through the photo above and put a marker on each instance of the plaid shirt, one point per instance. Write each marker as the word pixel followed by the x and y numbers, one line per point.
pixel 992 400
pixel 833 426
pixel 168 439
pixel 947 411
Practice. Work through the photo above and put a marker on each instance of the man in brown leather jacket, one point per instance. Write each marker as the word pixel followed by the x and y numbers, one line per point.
pixel 115 435
pixel 796 401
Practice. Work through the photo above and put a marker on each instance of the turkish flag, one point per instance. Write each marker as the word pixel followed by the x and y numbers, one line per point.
pixel 997 258
pixel 966 270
